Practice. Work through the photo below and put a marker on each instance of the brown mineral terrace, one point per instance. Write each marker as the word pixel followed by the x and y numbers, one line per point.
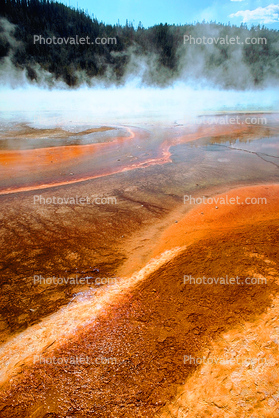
pixel 138 330
pixel 149 321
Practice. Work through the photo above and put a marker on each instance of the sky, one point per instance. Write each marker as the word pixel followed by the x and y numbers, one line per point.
pixel 151 12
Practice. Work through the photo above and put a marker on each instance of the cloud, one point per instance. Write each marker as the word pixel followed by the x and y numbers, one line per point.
pixel 237 0
pixel 268 14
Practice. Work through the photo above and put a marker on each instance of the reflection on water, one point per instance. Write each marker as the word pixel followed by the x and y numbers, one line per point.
pixel 242 160
pixel 22 137
pixel 38 158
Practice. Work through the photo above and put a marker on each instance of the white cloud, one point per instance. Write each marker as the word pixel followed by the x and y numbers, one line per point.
pixel 268 14
pixel 237 0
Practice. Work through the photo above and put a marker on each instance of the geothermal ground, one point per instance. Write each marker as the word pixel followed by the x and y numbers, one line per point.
pixel 126 334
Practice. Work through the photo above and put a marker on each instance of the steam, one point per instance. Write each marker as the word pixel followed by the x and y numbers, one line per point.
pixel 14 77
pixel 127 105
pixel 191 89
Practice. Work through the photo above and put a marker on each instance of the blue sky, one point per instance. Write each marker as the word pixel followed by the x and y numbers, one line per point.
pixel 151 12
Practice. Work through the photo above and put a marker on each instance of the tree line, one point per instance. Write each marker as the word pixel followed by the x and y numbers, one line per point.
pixel 158 55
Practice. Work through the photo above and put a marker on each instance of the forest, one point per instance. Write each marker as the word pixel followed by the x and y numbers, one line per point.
pixel 156 56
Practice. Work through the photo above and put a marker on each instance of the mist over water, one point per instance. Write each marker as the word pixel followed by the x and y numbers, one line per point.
pixel 130 104
pixel 152 88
